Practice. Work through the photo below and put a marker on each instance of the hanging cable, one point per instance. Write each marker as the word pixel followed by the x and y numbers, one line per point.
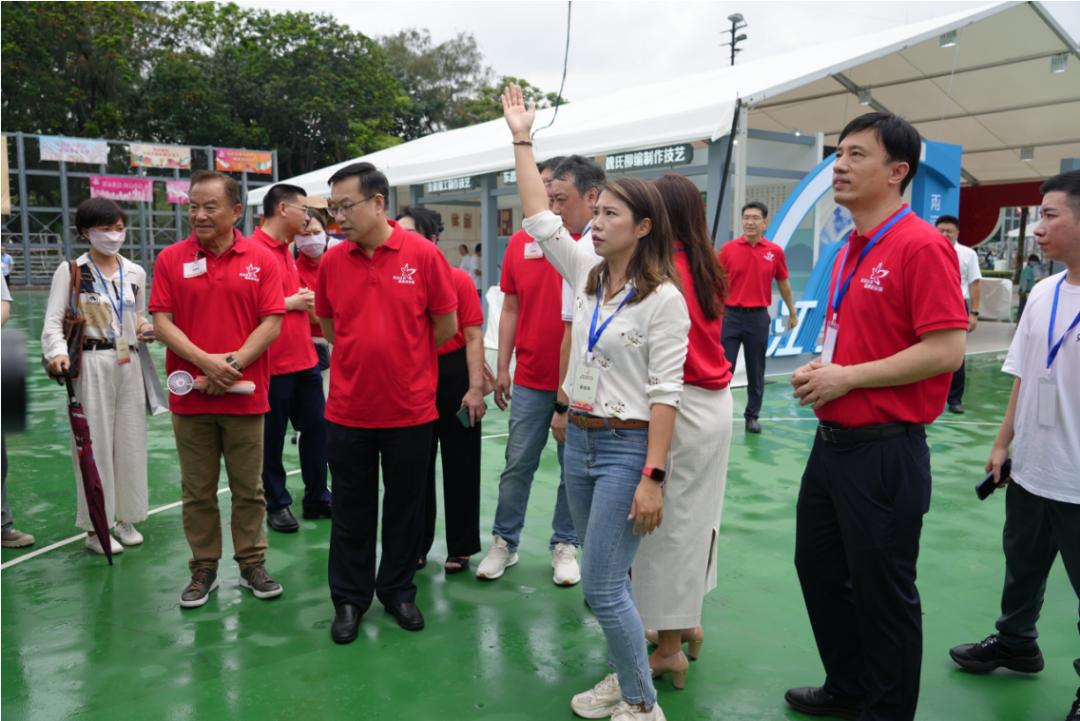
pixel 562 83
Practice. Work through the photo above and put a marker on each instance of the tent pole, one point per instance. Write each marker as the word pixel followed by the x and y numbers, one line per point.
pixel 727 168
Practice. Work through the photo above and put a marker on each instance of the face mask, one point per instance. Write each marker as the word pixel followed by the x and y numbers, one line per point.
pixel 106 242
pixel 311 245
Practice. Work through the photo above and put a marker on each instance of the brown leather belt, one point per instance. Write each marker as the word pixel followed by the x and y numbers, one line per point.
pixel 593 422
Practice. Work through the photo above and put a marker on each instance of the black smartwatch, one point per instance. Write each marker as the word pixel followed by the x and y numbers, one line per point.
pixel 657 474
pixel 234 363
pixel 561 408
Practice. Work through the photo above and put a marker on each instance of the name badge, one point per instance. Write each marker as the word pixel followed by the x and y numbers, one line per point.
pixel 586 383
pixel 123 350
pixel 195 268
pixel 828 346
pixel 1047 403
pixel 533 250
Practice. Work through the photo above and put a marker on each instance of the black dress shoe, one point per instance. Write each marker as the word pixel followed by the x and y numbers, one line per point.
pixel 956 408
pixel 407 614
pixel 816 701
pixel 346 620
pixel 752 425
pixel 282 520
pixel 991 653
pixel 319 510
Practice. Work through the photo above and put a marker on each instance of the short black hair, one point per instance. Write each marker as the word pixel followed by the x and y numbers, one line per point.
pixel 321 215
pixel 478 248
pixel 756 205
pixel 233 191
pixel 1068 183
pixel 901 140
pixel 372 181
pixel 428 222
pixel 947 219
pixel 587 173
pixel 550 163
pixel 1033 257
pixel 95 212
pixel 280 193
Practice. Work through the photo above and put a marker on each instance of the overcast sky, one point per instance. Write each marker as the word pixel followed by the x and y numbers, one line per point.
pixel 626 43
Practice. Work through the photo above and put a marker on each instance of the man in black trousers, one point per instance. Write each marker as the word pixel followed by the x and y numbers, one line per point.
pixel 895 331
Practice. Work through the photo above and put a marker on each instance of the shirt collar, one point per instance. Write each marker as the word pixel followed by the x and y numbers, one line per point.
pixel 864 238
pixel 397 236
pixel 268 240
pixel 236 247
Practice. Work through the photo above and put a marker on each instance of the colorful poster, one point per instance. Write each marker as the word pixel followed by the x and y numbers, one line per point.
pixel 176 191
pixel 118 187
pixel 145 155
pixel 73 150
pixel 228 160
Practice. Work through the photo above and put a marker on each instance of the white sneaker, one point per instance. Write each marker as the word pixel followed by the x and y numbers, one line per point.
pixel 499 558
pixel 126 534
pixel 600 701
pixel 564 561
pixel 94 545
pixel 626 712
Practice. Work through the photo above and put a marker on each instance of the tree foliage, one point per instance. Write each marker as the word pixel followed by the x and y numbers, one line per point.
pixel 487 104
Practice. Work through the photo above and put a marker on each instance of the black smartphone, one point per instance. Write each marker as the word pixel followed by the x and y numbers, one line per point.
pixel 987 486
pixel 463 416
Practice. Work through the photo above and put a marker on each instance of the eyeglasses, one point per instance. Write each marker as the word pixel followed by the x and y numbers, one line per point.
pixel 343 208
pixel 298 207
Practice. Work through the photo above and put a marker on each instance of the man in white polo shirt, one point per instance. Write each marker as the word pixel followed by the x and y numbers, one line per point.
pixel 970 275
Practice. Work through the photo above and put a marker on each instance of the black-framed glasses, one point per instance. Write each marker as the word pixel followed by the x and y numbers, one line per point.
pixel 343 208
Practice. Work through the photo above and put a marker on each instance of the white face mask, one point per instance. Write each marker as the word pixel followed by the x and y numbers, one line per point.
pixel 106 242
pixel 311 245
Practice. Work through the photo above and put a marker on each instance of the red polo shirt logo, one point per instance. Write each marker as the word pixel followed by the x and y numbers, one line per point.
pixel 873 281
pixel 251 273
pixel 406 275
pixel 768 256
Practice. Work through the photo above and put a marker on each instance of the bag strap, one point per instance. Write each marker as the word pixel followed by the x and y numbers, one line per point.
pixel 73 289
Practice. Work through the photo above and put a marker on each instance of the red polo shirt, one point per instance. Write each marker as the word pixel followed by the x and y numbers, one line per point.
pixel 384 369
pixel 538 287
pixel 293 350
pixel 907 285
pixel 309 278
pixel 706 365
pixel 469 312
pixel 751 269
pixel 218 310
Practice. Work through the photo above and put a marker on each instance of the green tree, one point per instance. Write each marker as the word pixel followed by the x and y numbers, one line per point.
pixel 487 104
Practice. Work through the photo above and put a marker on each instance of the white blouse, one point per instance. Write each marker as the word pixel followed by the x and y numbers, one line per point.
pixel 95 306
pixel 641 353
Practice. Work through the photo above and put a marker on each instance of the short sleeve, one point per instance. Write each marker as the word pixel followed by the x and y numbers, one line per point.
pixel 161 289
pixel 323 307
pixel 780 271
pixel 442 298
pixel 508 277
pixel 271 296
pixel 470 313
pixel 932 289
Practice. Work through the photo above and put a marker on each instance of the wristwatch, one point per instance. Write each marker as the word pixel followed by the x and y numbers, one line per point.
pixel 656 474
pixel 975 313
pixel 234 363
pixel 561 408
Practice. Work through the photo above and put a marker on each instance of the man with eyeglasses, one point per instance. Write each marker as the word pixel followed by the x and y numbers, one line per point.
pixel 385 299
pixel 295 380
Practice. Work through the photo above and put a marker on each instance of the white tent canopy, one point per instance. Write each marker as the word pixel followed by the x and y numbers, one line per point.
pixel 992 93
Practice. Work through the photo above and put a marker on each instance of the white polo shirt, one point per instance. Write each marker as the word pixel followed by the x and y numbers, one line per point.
pixel 969 267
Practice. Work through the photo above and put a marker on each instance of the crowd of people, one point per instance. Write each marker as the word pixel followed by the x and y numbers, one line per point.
pixel 651 321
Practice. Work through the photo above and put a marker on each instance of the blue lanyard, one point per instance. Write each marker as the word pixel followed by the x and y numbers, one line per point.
pixel 1052 348
pixel 105 287
pixel 594 332
pixel 839 291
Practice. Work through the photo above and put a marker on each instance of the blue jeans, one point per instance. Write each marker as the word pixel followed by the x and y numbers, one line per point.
pixel 530 419
pixel 602 470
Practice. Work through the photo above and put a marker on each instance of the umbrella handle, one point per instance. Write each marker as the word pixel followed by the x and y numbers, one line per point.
pixel 66 377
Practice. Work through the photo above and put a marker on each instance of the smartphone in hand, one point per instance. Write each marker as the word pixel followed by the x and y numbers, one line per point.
pixel 987 486
pixel 463 417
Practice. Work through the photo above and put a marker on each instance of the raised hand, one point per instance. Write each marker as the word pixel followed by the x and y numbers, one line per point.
pixel 518 117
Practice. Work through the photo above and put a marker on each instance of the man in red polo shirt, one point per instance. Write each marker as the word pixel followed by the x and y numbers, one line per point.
pixel 386 301
pixel 895 331
pixel 751 262
pixel 296 392
pixel 217 305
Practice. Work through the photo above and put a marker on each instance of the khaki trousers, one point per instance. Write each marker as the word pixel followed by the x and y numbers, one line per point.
pixel 201 440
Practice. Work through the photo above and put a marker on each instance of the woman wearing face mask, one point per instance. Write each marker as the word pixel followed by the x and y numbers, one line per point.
pixel 112 300
pixel 628 347
pixel 460 391
pixel 310 247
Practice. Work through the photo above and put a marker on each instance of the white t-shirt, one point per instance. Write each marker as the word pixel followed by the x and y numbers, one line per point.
pixel 969 267
pixel 470 264
pixel 1046 461
pixel 567 291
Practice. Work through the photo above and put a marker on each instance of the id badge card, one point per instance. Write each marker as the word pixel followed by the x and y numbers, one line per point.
pixel 533 251
pixel 586 382
pixel 195 268
pixel 123 350
pixel 828 345
pixel 1047 403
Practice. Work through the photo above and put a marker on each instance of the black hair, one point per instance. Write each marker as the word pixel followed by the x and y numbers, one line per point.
pixel 550 164
pixel 1068 183
pixel 1033 257
pixel 95 212
pixel 900 139
pixel 321 215
pixel 952 219
pixel 372 181
pixel 478 248
pixel 587 173
pixel 756 205
pixel 233 191
pixel 428 222
pixel 280 193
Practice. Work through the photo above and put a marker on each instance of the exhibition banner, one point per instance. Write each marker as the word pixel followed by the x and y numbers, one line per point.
pixel 228 160
pixel 113 187
pixel 73 150
pixel 145 155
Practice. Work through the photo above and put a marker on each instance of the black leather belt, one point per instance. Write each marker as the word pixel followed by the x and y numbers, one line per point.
pixel 838 435
pixel 98 344
pixel 741 309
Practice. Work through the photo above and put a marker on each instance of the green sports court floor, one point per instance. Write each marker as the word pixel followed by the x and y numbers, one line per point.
pixel 82 640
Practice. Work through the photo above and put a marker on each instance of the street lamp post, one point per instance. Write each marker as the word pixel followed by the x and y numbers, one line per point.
pixel 737 24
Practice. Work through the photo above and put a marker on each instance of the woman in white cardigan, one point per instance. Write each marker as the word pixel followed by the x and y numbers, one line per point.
pixel 628 347
pixel 112 300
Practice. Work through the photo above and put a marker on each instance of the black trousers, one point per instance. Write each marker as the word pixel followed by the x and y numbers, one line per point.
pixel 858 523
pixel 956 386
pixel 355 455
pixel 460 449
pixel 1036 529
pixel 296 397
pixel 750 329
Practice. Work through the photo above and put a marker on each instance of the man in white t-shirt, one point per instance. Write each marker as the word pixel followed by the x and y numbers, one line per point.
pixel 970 275
pixel 1042 423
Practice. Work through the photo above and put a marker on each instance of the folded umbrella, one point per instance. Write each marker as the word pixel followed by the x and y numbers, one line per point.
pixel 95 496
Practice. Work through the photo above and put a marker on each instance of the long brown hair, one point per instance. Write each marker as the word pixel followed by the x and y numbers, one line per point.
pixel 686 215
pixel 651 262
